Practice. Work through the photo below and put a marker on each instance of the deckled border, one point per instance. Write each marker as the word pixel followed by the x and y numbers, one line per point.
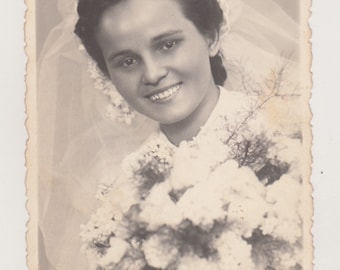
pixel 31 153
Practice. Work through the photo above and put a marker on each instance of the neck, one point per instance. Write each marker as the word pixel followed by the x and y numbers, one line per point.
pixel 188 128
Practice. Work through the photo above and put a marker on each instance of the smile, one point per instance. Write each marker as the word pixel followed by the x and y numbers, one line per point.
pixel 165 94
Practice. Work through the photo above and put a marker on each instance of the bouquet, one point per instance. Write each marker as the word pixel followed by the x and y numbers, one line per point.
pixel 228 199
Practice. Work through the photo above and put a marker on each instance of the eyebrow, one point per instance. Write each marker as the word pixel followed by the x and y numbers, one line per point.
pixel 155 39
pixel 166 34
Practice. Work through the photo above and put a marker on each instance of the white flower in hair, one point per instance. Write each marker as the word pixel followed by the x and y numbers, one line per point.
pixel 117 108
pixel 225 6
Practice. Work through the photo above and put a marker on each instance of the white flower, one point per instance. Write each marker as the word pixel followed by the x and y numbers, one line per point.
pixel 115 253
pixel 188 169
pixel 246 215
pixel 111 112
pixel 235 180
pixel 158 208
pixel 118 108
pixel 193 161
pixel 159 251
pixel 131 163
pixel 100 226
pixel 283 219
pixel 234 252
pixel 211 148
pixel 202 204
pixel 122 197
pixel 153 148
pixel 244 195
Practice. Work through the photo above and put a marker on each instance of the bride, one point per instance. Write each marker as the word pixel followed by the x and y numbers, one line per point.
pixel 207 188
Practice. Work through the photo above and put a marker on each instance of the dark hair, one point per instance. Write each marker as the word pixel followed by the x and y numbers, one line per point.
pixel 206 15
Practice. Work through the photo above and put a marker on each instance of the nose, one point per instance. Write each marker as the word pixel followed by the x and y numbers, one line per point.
pixel 153 72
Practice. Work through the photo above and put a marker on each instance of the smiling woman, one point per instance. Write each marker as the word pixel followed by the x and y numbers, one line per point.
pixel 200 177
pixel 160 63
pixel 152 54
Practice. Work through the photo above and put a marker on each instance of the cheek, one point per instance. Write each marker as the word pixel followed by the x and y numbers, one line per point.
pixel 126 84
pixel 194 61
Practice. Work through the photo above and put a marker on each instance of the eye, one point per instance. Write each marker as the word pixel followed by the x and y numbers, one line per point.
pixel 168 45
pixel 128 62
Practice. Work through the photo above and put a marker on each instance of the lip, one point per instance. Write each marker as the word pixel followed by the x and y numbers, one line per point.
pixel 158 91
pixel 174 87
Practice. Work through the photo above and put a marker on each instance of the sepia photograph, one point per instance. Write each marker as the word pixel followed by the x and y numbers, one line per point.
pixel 169 135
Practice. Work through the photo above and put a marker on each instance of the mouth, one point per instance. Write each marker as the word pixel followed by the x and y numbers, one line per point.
pixel 165 93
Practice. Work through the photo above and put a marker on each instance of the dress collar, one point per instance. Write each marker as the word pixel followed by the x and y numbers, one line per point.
pixel 227 104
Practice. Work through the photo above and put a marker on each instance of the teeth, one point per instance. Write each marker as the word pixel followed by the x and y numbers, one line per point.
pixel 167 93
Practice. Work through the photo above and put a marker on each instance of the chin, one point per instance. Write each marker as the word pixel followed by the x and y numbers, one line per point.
pixel 173 120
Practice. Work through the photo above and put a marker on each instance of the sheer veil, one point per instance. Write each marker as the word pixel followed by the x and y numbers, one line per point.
pixel 81 149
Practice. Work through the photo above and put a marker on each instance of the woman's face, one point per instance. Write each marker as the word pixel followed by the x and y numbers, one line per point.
pixel 157 59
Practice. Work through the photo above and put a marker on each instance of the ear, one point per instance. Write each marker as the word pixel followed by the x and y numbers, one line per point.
pixel 214 44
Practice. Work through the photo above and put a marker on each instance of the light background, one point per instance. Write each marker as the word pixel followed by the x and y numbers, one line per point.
pixel 326 149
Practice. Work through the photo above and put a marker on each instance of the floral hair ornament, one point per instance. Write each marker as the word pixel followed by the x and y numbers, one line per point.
pixel 225 6
pixel 117 108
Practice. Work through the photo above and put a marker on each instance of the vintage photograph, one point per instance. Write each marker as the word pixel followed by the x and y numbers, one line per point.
pixel 169 135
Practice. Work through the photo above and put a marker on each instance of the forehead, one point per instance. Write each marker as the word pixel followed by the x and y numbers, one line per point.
pixel 142 16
